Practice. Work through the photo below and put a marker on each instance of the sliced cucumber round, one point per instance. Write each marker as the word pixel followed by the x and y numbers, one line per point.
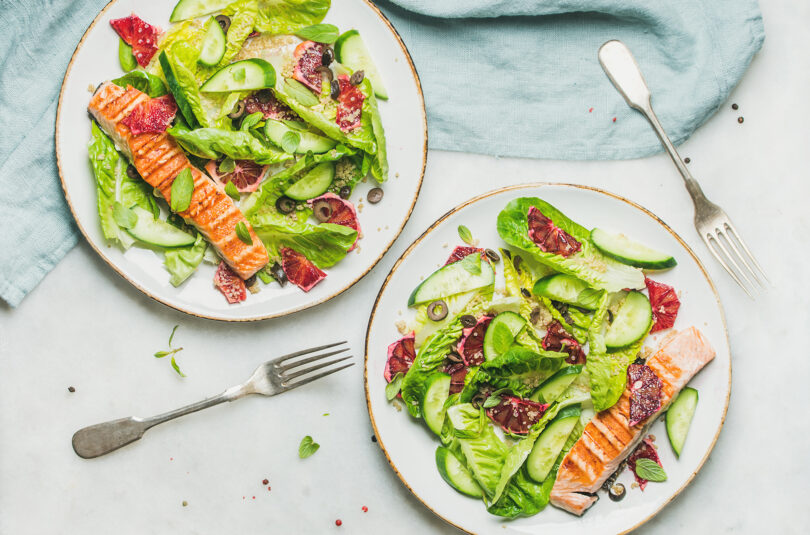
pixel 437 390
pixel 158 232
pixel 450 280
pixel 501 334
pixel 312 184
pixel 679 418
pixel 213 45
pixel 568 289
pixel 456 474
pixel 620 247
pixel 554 386
pixel 191 9
pixel 351 51
pixel 244 75
pixel 275 130
pixel 550 443
pixel 630 322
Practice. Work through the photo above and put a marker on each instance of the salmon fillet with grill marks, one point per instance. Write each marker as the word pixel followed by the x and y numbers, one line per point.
pixel 158 159
pixel 608 437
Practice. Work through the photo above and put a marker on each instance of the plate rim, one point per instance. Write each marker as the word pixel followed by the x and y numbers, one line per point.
pixel 216 317
pixel 531 185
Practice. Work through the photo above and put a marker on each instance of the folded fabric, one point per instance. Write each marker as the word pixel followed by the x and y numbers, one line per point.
pixel 500 77
pixel 522 78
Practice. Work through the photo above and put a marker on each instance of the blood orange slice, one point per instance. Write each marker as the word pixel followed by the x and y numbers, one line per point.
pixel 558 339
pixel 229 283
pixel 645 392
pixel 153 115
pixel 350 105
pixel 329 208
pixel 665 304
pixel 549 237
pixel 457 372
pixel 299 270
pixel 142 37
pixel 515 415
pixel 246 174
pixel 471 345
pixel 308 57
pixel 266 102
pixel 400 357
pixel 645 450
pixel 461 252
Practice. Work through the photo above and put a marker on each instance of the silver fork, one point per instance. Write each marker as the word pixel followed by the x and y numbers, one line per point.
pixel 712 223
pixel 273 377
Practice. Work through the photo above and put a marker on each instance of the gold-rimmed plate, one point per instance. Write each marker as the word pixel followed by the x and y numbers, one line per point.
pixel 403 115
pixel 410 447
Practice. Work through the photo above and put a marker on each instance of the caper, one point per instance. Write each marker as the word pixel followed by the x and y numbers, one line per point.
pixel 617 492
pixel 285 205
pixel 468 320
pixel 492 255
pixel 224 22
pixel 375 195
pixel 327 56
pixel 357 77
pixel 334 89
pixel 437 310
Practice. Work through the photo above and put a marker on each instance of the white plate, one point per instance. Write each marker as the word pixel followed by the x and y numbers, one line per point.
pixel 410 446
pixel 403 116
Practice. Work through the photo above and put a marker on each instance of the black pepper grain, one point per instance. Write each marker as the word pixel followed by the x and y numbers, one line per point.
pixel 71 389
pixel 374 438
pixel 734 106
pixel 686 160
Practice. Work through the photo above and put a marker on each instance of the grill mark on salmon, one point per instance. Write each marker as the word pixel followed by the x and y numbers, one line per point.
pixel 608 438
pixel 159 159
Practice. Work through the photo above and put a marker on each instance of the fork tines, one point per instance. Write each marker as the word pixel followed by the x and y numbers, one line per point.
pixel 724 234
pixel 286 367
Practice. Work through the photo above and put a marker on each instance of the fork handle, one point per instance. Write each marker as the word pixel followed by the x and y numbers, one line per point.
pixel 100 439
pixel 623 70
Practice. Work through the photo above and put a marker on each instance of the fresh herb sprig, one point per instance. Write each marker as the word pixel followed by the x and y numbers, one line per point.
pixel 171 352
pixel 307 447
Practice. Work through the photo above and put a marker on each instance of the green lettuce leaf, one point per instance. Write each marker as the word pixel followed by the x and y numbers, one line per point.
pixel 466 420
pixel 520 370
pixel 213 143
pixel 379 164
pixel 289 16
pixel 181 262
pixel 588 265
pixel 424 327
pixel 484 456
pixel 113 184
pixel 143 82
pixel 324 245
pixel 244 15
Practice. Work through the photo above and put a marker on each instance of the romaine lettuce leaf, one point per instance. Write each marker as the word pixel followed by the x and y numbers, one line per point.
pixel 243 15
pixel 424 327
pixel 289 16
pixel 213 143
pixel 466 420
pixel 484 456
pixel 379 164
pixel 588 265
pixel 324 245
pixel 522 496
pixel 143 82
pixel 181 262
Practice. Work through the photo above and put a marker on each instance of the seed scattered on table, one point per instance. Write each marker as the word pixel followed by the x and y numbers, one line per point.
pixel 185 503
pixel 734 106
pixel 740 119
pixel 338 522
pixel 265 482
pixel 686 160
pixel 71 389
pixel 365 509
pixel 374 438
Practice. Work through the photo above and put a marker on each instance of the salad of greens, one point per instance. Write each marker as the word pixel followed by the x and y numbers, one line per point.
pixel 510 354
pixel 277 107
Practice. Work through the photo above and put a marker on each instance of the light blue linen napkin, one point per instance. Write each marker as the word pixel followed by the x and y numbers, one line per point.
pixel 502 77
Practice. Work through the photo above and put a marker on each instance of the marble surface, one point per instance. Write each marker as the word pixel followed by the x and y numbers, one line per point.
pixel 86 327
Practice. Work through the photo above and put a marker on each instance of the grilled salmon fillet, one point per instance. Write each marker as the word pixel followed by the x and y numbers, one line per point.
pixel 608 437
pixel 159 159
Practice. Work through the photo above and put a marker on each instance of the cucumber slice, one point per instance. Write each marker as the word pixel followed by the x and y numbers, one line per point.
pixel 620 247
pixel 213 45
pixel 501 333
pixel 312 184
pixel 351 51
pixel 275 130
pixel 242 75
pixel 177 91
pixel 191 9
pixel 449 280
pixel 630 322
pixel 550 443
pixel 568 289
pixel 679 418
pixel 158 232
pixel 555 385
pixel 437 390
pixel 456 474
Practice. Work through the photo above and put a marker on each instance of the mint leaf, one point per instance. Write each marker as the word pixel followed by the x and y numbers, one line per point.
pixel 123 216
pixel 502 338
pixel 472 263
pixel 226 166
pixel 232 192
pixel 650 470
pixel 182 188
pixel 492 401
pixel 161 354
pixel 243 233
pixel 298 91
pixel 392 388
pixel 125 56
pixel 465 235
pixel 307 447
pixel 251 120
pixel 320 33
pixel 290 141
pixel 177 368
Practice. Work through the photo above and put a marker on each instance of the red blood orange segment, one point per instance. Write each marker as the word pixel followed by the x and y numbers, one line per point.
pixel 229 283
pixel 457 372
pixel 471 345
pixel 142 37
pixel 549 237
pixel 645 450
pixel 645 392
pixel 299 270
pixel 461 252
pixel 266 102
pixel 308 57
pixel 515 415
pixel 153 115
pixel 558 339
pixel 343 212
pixel 246 175
pixel 350 105
pixel 400 357
pixel 665 304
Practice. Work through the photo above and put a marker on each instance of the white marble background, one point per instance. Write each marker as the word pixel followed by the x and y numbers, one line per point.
pixel 86 327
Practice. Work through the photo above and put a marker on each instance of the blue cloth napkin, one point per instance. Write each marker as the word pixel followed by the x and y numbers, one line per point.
pixel 501 77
